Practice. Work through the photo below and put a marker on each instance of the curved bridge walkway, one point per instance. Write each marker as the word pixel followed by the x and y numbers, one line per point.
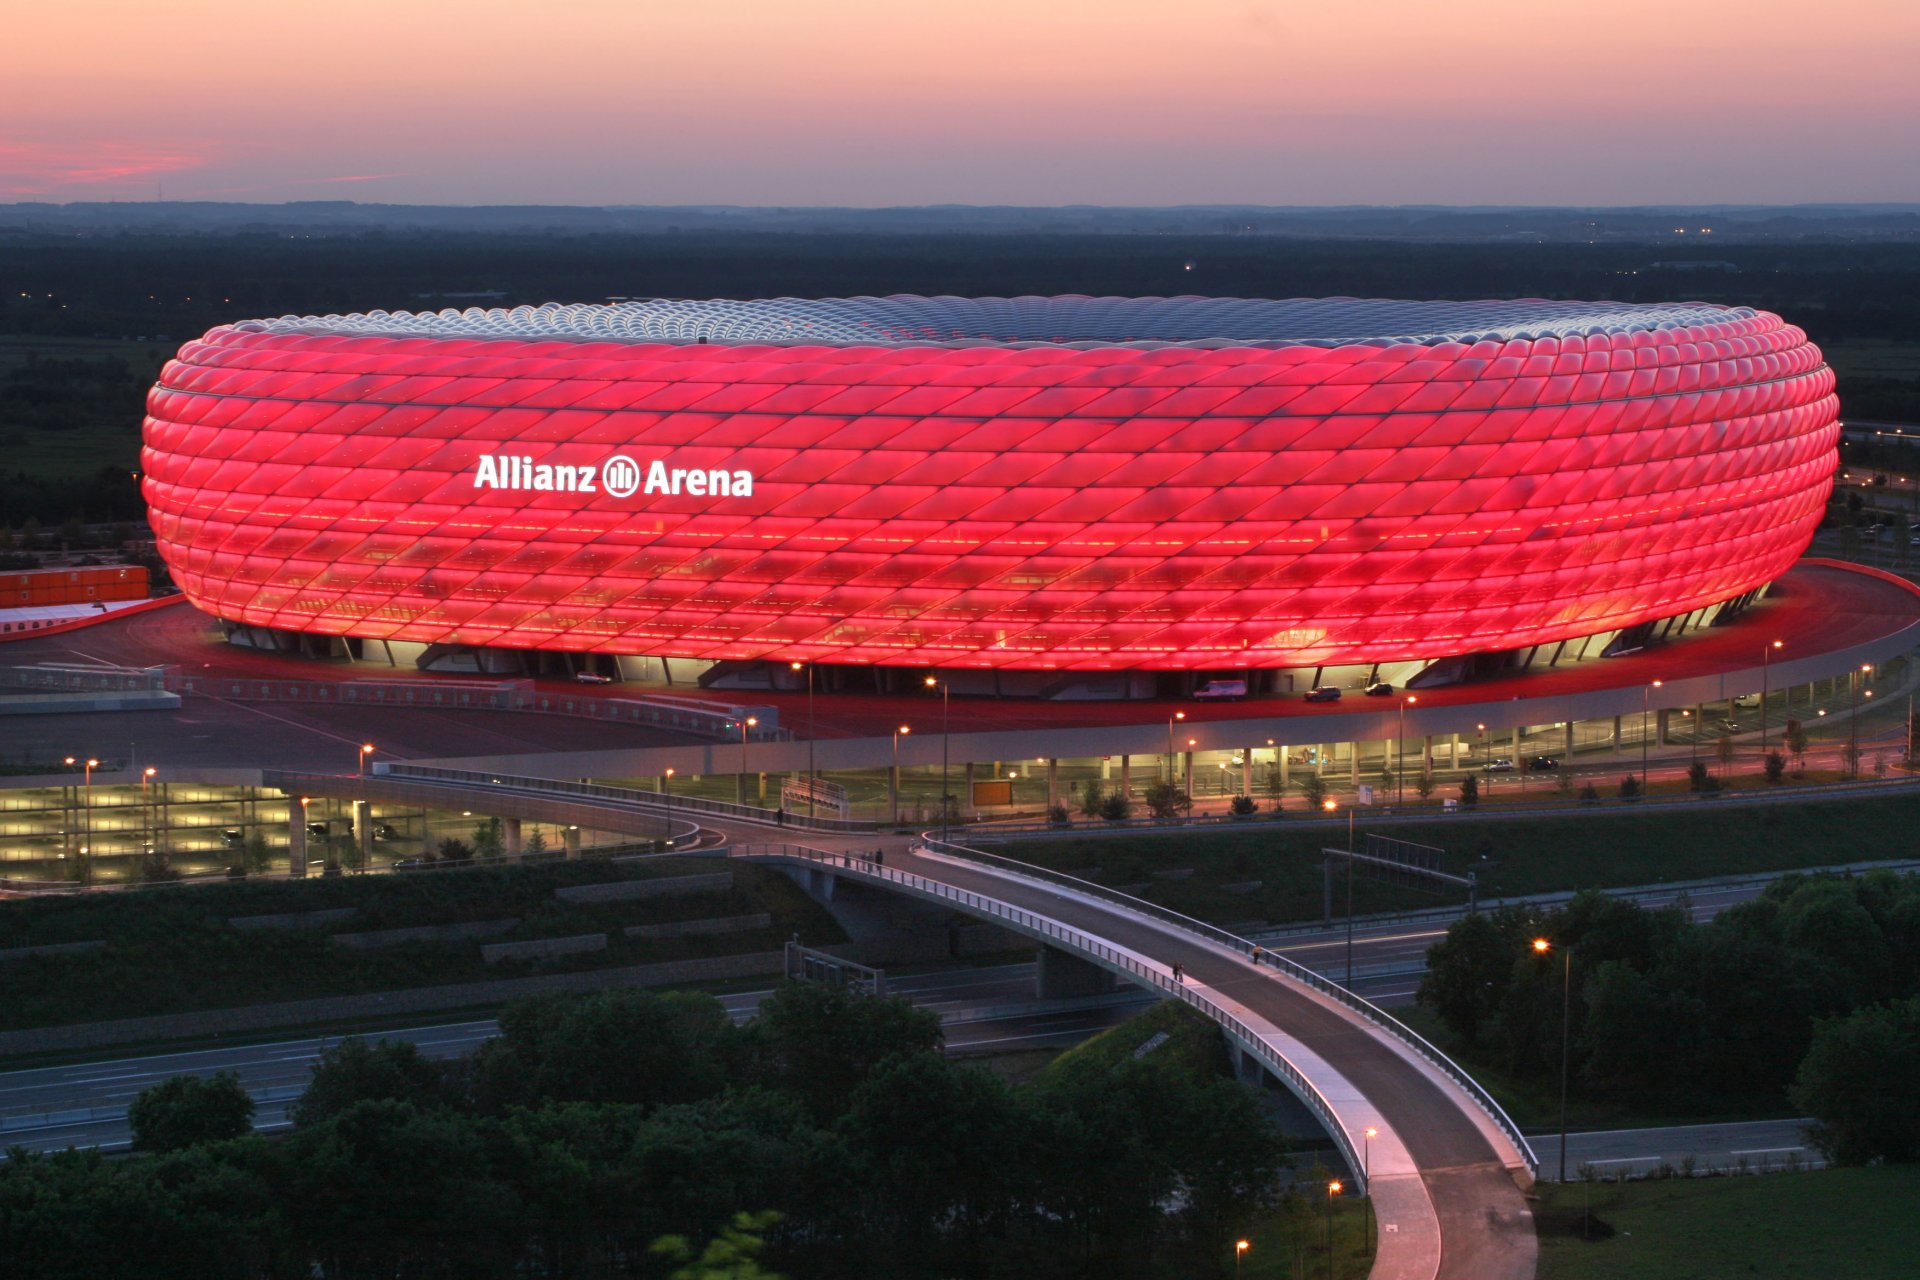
pixel 1446 1171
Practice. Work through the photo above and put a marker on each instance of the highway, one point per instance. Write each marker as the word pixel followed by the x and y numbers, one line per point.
pixel 84 1104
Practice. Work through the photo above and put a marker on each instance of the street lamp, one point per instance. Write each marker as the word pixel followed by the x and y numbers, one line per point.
pixel 1333 1189
pixel 1240 1248
pixel 666 788
pixel 1645 692
pixel 946 796
pixel 1367 1136
pixel 1853 722
pixel 146 810
pixel 1766 660
pixel 1330 805
pixel 86 837
pixel 745 725
pixel 1400 787
pixel 1172 775
pixel 893 783
pixel 813 782
pixel 366 749
pixel 1541 947
pixel 1191 744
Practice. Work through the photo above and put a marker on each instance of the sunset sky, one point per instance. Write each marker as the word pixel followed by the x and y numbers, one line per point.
pixel 1042 102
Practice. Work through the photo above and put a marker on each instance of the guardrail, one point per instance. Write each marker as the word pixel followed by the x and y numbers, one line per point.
pixel 1292 969
pixel 1086 944
pixel 65 676
pixel 665 802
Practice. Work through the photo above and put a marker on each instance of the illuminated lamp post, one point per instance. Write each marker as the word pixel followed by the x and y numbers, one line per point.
pixel 1853 721
pixel 1240 1248
pixel 813 782
pixel 1330 805
pixel 1646 692
pixel 946 796
pixel 1400 784
pixel 666 791
pixel 1333 1189
pixel 146 810
pixel 1766 659
pixel 1541 947
pixel 1191 744
pixel 740 792
pixel 86 820
pixel 366 749
pixel 1367 1136
pixel 893 783
pixel 1172 773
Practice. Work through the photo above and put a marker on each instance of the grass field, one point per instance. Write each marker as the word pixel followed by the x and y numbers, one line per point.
pixel 1509 856
pixel 1856 1223
pixel 80 447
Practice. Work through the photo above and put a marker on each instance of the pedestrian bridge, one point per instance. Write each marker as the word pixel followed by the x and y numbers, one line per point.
pixel 1445 1165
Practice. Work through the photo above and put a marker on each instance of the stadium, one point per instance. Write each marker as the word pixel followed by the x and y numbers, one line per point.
pixel 1170 487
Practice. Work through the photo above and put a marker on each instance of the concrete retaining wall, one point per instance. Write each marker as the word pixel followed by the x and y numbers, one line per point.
pixel 541 948
pixel 295 919
pixel 665 887
pixel 375 938
pixel 463 995
pixel 697 928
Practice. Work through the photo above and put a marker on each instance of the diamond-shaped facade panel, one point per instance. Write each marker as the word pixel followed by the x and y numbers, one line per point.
pixel 1059 483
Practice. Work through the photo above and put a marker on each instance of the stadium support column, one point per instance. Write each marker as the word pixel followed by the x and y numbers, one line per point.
pixel 1285 764
pixel 1246 771
pixel 1660 720
pixel 1453 751
pixel 1567 751
pixel 1053 783
pixel 1186 761
pixel 1126 775
pixel 965 803
pixel 1616 735
pixel 1426 757
pixel 510 837
pixel 1353 765
pixel 573 843
pixel 296 837
pixel 363 832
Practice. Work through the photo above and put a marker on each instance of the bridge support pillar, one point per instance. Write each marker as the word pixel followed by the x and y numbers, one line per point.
pixel 1285 763
pixel 363 832
pixel 510 837
pixel 1053 782
pixel 296 837
pixel 1567 750
pixel 1126 775
pixel 1246 771
pixel 966 801
pixel 1662 719
pixel 1616 735
pixel 573 843
pixel 1426 757
pixel 1058 974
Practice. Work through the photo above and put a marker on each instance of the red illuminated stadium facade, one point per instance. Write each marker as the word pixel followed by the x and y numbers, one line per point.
pixel 1066 484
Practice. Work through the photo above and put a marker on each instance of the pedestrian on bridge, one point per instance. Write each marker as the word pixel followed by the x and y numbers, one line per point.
pixel 1179 974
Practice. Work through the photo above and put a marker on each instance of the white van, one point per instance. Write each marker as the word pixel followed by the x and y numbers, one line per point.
pixel 1221 689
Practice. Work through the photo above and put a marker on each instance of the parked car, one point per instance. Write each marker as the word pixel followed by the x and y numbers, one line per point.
pixel 1325 693
pixel 233 837
pixel 1542 764
pixel 1380 689
pixel 1222 689
pixel 1747 700
pixel 320 829
pixel 384 831
pixel 1503 764
pixel 408 864
pixel 591 677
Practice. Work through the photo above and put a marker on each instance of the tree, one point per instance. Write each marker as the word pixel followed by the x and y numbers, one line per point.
pixel 1313 788
pixel 255 854
pixel 1589 794
pixel 187 1111
pixel 643 1047
pixel 820 1043
pixel 1775 767
pixel 1698 778
pixel 732 1255
pixel 1059 816
pixel 1857 1083
pixel 453 849
pixel 1796 739
pixel 1630 787
pixel 1243 807
pixel 487 839
pixel 1092 798
pixel 1423 784
pixel 1166 801
pixel 1469 792
pixel 1116 807
pixel 536 843
pixel 1466 972
pixel 358 1070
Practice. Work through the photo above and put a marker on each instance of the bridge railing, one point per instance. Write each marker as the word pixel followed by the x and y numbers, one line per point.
pixel 1150 975
pixel 1299 972
pixel 665 803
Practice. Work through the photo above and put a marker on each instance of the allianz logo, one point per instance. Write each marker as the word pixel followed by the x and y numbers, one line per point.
pixel 617 477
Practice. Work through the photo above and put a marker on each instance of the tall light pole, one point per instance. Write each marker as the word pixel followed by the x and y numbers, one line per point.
pixel 1330 805
pixel 146 810
pixel 86 838
pixel 745 725
pixel 1240 1248
pixel 1367 1135
pixel 1853 722
pixel 1172 773
pixel 1646 692
pixel 1541 947
pixel 946 796
pixel 1191 744
pixel 366 749
pixel 1333 1189
pixel 1400 787
pixel 1766 660
pixel 666 789
pixel 813 782
pixel 893 783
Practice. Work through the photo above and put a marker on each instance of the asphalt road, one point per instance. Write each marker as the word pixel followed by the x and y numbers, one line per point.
pixel 84 1105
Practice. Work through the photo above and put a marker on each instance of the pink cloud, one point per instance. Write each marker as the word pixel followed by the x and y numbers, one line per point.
pixel 43 168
